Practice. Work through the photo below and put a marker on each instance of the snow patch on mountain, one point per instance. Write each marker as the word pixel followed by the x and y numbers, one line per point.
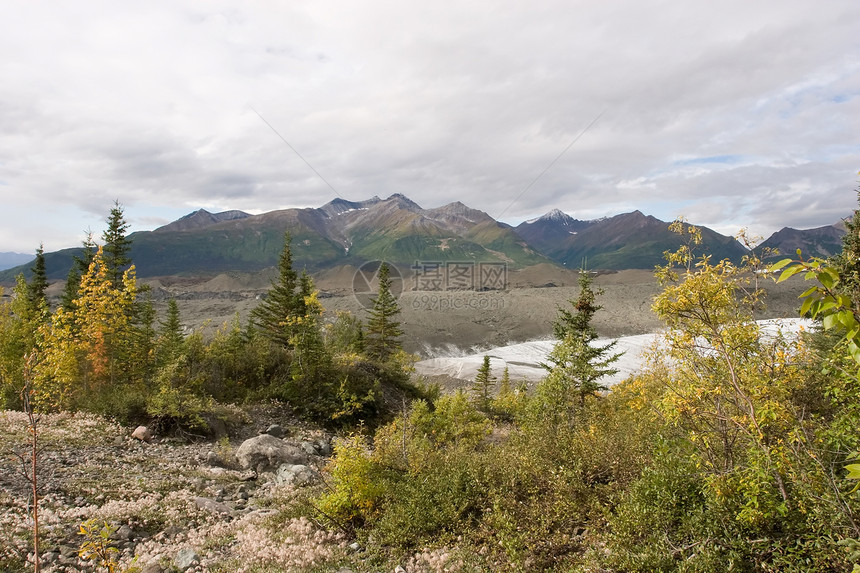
pixel 554 215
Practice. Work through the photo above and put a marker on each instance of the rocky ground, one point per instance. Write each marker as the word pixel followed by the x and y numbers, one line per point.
pixel 189 505
pixel 174 504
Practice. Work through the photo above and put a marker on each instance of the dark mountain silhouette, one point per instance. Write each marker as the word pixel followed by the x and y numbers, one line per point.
pixel 818 242
pixel 626 241
pixel 201 218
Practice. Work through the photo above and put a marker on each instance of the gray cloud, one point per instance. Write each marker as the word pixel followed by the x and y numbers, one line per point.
pixel 734 114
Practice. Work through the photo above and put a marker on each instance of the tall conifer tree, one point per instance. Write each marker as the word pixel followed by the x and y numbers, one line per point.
pixel 117 246
pixel 576 364
pixel 282 301
pixel 483 386
pixel 39 283
pixel 383 331
pixel 79 269
pixel 170 336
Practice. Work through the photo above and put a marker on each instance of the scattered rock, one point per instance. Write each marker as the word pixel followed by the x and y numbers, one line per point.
pixel 309 448
pixel 276 430
pixel 211 505
pixel 324 447
pixel 355 546
pixel 153 568
pixel 122 533
pixel 172 531
pixel 266 452
pixel 50 557
pixel 399 569
pixel 296 474
pixel 212 459
pixel 186 559
pixel 142 433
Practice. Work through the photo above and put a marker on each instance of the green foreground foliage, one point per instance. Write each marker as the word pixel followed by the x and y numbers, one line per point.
pixel 728 453
pixel 731 451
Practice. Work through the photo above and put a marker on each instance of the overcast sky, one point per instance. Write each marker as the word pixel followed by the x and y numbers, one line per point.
pixel 732 113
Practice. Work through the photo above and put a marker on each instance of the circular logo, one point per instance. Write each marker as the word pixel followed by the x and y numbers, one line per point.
pixel 365 282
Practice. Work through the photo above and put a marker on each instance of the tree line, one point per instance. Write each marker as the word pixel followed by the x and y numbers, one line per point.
pixel 103 349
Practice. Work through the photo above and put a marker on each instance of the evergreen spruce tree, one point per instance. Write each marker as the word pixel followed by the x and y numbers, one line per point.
pixel 79 268
pixel 170 337
pixel 576 364
pixel 483 386
pixel 70 291
pixel 282 301
pixel 310 357
pixel 505 382
pixel 383 331
pixel 39 283
pixel 144 335
pixel 117 245
pixel 579 320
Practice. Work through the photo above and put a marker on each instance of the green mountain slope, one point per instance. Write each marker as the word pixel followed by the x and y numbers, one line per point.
pixel 819 242
pixel 627 241
pixel 341 232
pixel 401 232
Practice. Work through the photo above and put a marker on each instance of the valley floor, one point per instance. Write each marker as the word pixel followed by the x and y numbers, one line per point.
pixel 524 360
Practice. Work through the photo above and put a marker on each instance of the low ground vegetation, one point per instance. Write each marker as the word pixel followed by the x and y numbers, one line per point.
pixel 732 450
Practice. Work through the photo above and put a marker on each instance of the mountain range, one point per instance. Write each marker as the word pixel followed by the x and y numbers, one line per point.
pixel 11 260
pixel 400 231
pixel 627 241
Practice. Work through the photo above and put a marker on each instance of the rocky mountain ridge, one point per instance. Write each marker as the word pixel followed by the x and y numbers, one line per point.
pixel 398 230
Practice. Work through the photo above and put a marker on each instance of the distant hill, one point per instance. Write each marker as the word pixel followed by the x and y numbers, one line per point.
pixel 398 230
pixel 11 260
pixel 626 241
pixel 819 242
pixel 341 232
pixel 201 218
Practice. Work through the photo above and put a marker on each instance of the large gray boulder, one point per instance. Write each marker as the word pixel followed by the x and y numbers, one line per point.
pixel 267 453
